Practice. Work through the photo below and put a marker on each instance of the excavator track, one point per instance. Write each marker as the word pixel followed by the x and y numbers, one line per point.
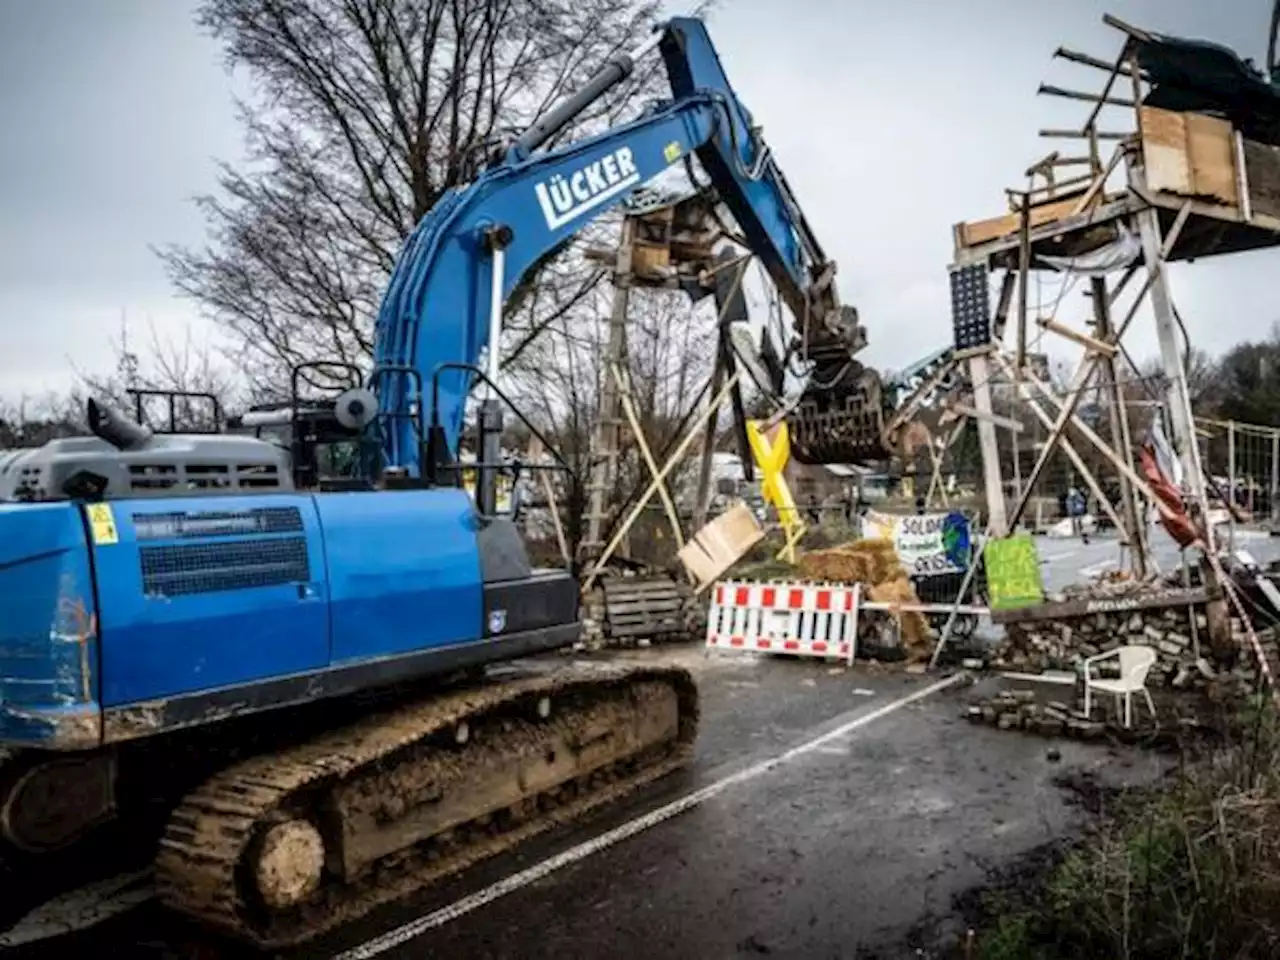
pixel 281 848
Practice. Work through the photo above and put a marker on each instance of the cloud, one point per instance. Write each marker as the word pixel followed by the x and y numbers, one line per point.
pixel 892 121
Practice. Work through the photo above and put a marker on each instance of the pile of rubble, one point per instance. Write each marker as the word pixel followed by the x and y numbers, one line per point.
pixel 1018 710
pixel 1063 644
pixel 1100 617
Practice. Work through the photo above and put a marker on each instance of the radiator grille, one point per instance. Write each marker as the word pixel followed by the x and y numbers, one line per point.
pixel 172 571
pixel 217 523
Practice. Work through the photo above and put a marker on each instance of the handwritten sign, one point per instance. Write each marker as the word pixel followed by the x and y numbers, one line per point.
pixel 927 544
pixel 1013 573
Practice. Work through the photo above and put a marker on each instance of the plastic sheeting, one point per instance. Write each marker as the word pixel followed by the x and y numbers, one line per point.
pixel 1202 77
pixel 1102 262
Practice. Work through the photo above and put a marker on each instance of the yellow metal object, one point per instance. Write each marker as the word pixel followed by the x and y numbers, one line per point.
pixel 771 454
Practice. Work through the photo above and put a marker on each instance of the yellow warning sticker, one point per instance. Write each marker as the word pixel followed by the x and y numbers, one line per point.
pixel 102 524
pixel 672 151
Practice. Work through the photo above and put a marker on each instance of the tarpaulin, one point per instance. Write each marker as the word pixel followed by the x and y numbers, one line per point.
pixel 1202 77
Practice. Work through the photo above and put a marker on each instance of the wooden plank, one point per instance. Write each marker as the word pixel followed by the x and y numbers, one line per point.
pixel 1211 148
pixel 981 231
pixel 1262 164
pixel 617 588
pixel 1088 606
pixel 1115 207
pixel 614 596
pixel 643 609
pixel 1164 151
pixel 1189 154
pixel 651 629
pixel 1089 61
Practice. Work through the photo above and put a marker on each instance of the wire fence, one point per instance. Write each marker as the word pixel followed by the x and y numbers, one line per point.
pixel 1242 465
pixel 1241 461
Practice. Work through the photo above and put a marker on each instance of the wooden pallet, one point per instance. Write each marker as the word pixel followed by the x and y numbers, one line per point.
pixel 645 608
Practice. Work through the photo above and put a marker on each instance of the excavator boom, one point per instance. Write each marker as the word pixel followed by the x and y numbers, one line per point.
pixel 443 305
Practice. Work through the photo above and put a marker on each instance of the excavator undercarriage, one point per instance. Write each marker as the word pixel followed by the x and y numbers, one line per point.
pixel 281 848
pixel 319 823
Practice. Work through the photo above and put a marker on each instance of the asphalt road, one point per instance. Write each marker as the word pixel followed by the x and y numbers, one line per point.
pixel 833 814
pixel 1067 561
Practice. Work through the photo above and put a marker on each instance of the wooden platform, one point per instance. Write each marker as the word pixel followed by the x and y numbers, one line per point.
pixel 1231 182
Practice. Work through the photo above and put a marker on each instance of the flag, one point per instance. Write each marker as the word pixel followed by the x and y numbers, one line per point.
pixel 1163 472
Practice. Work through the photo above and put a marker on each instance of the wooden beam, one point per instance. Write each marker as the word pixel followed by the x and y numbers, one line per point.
pixel 1135 32
pixel 712 409
pixel 1084 59
pixel 1120 434
pixel 1005 422
pixel 1024 270
pixel 1082 135
pixel 993 483
pixel 1129 273
pixel 1104 448
pixel 1088 128
pixel 1076 460
pixel 1075 336
pixel 1148 599
pixel 986 238
pixel 1084 372
pixel 1049 189
pixel 1052 91
pixel 633 420
pixel 1099 182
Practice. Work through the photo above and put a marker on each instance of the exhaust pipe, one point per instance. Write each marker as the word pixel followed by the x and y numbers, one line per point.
pixel 118 430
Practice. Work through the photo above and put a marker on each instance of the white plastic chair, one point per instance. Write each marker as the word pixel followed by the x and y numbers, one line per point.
pixel 1135 663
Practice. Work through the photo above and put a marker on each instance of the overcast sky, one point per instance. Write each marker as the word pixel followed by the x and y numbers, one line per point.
pixel 892 120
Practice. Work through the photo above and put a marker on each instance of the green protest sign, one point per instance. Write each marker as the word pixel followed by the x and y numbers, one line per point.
pixel 1013 573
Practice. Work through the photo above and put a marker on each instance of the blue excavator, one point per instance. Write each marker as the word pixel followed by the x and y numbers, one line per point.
pixel 308 699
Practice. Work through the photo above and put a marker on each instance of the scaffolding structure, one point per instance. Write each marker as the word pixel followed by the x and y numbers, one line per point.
pixel 1193 173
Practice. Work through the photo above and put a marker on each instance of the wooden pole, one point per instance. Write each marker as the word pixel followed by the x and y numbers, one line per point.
pixel 1120 435
pixel 1231 484
pixel 1179 399
pixel 1275 476
pixel 723 358
pixel 629 409
pixel 606 441
pixel 703 504
pixel 1074 392
pixel 1024 270
pixel 964 587
pixel 980 378
pixel 1076 461
pixel 677 455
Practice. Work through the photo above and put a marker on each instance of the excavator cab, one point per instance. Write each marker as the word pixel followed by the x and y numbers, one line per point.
pixel 324 431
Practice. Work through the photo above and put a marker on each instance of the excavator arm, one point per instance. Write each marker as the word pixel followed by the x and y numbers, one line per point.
pixel 444 303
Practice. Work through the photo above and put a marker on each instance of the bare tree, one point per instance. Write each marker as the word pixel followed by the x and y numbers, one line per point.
pixel 366 112
pixel 28 421
pixel 146 374
pixel 559 378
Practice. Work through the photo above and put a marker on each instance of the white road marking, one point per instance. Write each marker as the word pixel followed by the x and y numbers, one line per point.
pixel 438 918
pixel 81 909
pixel 1055 557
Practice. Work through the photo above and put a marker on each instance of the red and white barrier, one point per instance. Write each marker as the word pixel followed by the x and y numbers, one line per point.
pixel 807 620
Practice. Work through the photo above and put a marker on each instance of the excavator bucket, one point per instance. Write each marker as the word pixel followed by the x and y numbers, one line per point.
pixel 840 422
